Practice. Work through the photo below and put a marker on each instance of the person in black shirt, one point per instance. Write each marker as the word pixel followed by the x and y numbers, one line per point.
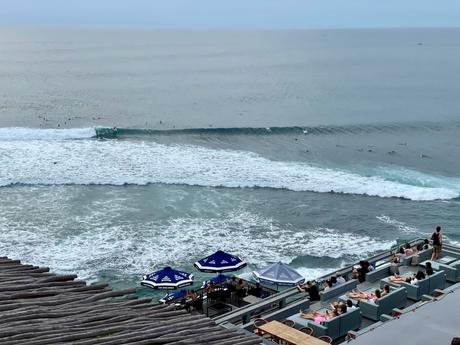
pixel 437 243
pixel 311 289
pixel 255 291
pixel 428 269
pixel 420 275
pixel 423 246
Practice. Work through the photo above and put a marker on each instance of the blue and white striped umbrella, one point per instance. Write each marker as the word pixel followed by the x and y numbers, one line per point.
pixel 279 274
pixel 167 278
pixel 220 262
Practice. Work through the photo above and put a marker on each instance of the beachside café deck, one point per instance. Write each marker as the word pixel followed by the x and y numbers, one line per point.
pixel 39 307
pixel 421 313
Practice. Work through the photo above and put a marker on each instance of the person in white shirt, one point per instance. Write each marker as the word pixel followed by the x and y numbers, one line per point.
pixel 327 285
pixel 340 280
pixel 350 305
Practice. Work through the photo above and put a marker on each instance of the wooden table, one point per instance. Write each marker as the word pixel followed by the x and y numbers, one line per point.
pixel 289 334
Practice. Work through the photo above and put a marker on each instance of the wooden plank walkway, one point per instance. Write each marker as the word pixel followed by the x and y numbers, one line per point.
pixel 39 307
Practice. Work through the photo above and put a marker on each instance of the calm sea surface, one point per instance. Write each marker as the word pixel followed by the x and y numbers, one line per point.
pixel 311 147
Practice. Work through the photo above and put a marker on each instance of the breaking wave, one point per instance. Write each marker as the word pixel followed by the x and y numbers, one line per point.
pixel 20 133
pixel 57 161
pixel 295 130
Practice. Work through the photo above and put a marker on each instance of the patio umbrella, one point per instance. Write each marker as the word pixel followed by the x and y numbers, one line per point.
pixel 220 262
pixel 167 278
pixel 279 274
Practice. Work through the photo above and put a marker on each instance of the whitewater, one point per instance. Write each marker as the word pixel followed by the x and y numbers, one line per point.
pixel 74 157
pixel 298 146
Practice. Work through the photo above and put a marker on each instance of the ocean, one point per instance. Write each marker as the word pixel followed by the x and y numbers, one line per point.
pixel 123 151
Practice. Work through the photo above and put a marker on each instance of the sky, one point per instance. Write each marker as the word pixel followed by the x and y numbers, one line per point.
pixel 231 14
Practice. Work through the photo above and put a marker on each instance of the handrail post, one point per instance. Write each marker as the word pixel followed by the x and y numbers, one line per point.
pixel 282 303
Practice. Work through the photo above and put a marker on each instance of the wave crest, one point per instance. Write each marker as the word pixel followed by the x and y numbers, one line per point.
pixel 114 162
pixel 22 133
pixel 114 132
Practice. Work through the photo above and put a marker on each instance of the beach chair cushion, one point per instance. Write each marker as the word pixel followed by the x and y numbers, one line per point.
pixel 381 272
pixel 437 281
pixel 425 254
pixel 335 328
pixel 329 327
pixel 350 321
pixel 338 290
pixel 415 292
pixel 384 305
pixel 451 272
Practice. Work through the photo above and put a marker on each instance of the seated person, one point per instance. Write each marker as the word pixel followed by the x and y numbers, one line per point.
pixel 255 290
pixel 192 295
pixel 420 276
pixel 350 305
pixel 211 290
pixel 240 290
pixel 367 266
pixel 428 269
pixel 355 273
pixel 339 307
pixel 340 280
pixel 358 273
pixel 231 284
pixel 361 271
pixel 386 290
pixel 408 251
pixel 424 246
pixel 398 279
pixel 327 285
pixel 333 281
pixel 311 289
pixel 342 308
pixel 363 296
pixel 191 299
pixel 317 316
pixel 413 279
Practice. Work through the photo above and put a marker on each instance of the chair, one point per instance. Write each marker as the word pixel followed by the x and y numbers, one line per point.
pixel 289 323
pixel 326 339
pixel 307 330
pixel 256 324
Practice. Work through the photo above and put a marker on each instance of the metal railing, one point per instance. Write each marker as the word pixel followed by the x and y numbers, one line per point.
pixel 292 295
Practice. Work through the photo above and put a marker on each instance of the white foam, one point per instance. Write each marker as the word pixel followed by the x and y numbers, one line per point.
pixel 134 162
pixel 97 242
pixel 22 133
pixel 412 230
pixel 314 273
pixel 401 226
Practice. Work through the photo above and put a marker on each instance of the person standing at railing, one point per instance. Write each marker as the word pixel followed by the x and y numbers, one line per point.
pixel 437 243
pixel 311 289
